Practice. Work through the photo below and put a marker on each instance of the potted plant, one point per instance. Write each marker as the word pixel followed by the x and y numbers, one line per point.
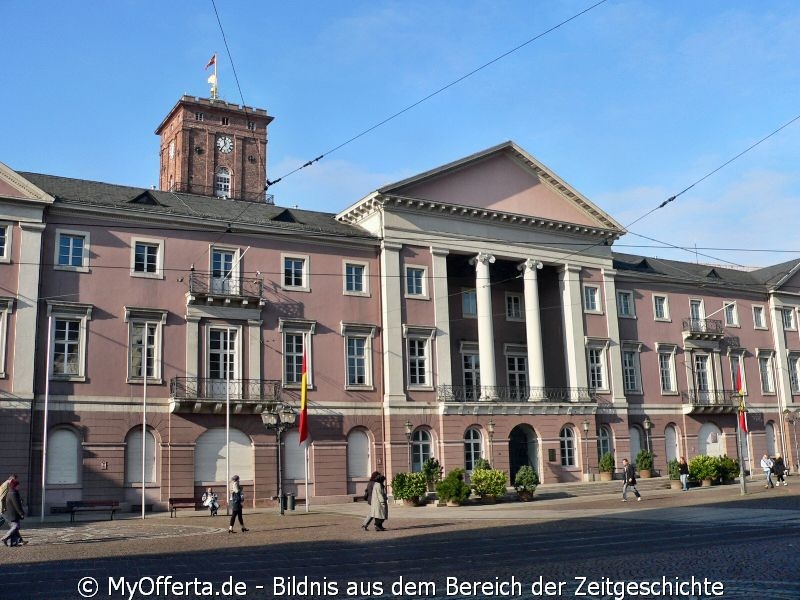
pixel 606 466
pixel 644 463
pixel 674 470
pixel 432 470
pixel 489 484
pixel 525 483
pixel 452 489
pixel 727 469
pixel 703 469
pixel 480 464
pixel 408 487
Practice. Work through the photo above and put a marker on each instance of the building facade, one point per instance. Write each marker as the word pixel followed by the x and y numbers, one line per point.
pixel 476 310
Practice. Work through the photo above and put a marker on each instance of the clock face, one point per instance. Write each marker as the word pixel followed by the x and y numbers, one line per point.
pixel 225 144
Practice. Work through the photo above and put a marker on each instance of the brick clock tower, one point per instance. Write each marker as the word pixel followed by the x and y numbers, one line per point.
pixel 213 148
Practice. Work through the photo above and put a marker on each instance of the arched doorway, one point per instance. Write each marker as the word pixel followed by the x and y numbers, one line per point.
pixel 523 449
pixel 709 440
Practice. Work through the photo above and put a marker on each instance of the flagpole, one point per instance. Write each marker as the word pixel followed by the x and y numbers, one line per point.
pixel 307 498
pixel 227 414
pixel 145 335
pixel 741 420
pixel 46 409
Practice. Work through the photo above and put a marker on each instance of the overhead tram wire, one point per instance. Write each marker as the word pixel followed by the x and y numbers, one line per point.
pixel 435 93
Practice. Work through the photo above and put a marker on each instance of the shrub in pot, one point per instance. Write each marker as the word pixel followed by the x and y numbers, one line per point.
pixel 727 468
pixel 432 470
pixel 453 489
pixel 409 486
pixel 644 463
pixel 606 466
pixel 489 483
pixel 525 482
pixel 703 468
pixel 674 470
pixel 481 464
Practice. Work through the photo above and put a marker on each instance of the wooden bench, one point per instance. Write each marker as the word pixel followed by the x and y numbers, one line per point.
pixel 176 503
pixel 76 506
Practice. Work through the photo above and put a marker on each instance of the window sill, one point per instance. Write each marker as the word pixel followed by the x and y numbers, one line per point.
pixel 147 275
pixel 77 378
pixel 286 288
pixel 140 381
pixel 360 388
pixel 356 294
pixel 68 268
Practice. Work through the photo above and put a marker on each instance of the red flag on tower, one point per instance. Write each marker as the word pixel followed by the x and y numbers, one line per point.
pixel 303 428
pixel 212 62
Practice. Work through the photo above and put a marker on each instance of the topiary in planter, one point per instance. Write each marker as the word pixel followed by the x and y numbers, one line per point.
pixel 432 471
pixel 489 482
pixel 606 465
pixel 674 469
pixel 644 461
pixel 727 468
pixel 525 482
pixel 452 488
pixel 408 486
pixel 702 467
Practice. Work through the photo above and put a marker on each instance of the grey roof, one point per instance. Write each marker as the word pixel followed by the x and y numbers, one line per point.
pixel 181 206
pixel 759 281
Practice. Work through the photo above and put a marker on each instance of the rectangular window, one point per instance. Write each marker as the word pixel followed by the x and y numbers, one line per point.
pixel 630 371
pixel 517 367
pixel 666 370
pixel 788 318
pixel 469 303
pixel 293 358
pixel 66 347
pixel 696 311
pixel 701 373
pixel 472 376
pixel 4 246
pixel 765 373
pixel 596 372
pixel 731 315
pixel 625 306
pixel 794 372
pixel 417 362
pixel 660 308
pixel 198 116
pixel 354 278
pixel 514 307
pixel 72 250
pixel 224 272
pixel 759 322
pixel 415 281
pixel 145 258
pixel 356 361
pixel 251 125
pixel 225 121
pixel 295 273
pixel 736 361
pixel 142 346
pixel 590 298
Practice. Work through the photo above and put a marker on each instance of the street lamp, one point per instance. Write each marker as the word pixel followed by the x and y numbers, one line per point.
pixel 409 428
pixel 792 417
pixel 279 417
pixel 586 445
pixel 647 425
pixel 490 430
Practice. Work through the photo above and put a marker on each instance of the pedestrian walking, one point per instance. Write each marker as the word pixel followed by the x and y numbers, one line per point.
pixel 766 465
pixel 3 494
pixel 368 497
pixel 13 514
pixel 683 469
pixel 629 477
pixel 779 468
pixel 236 502
pixel 210 500
pixel 379 503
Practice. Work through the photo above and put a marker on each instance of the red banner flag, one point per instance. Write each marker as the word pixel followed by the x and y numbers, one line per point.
pixel 212 62
pixel 742 416
pixel 303 428
pixel 740 379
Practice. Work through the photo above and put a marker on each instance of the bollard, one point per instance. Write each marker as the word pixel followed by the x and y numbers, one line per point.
pixel 290 501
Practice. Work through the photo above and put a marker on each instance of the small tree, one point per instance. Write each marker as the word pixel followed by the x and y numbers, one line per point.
pixel 703 467
pixel 452 488
pixel 432 470
pixel 489 482
pixel 644 460
pixel 606 464
pixel 408 486
pixel 674 468
pixel 526 479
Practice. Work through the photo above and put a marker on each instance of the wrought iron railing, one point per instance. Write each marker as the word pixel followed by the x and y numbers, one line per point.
pixel 205 283
pixel 711 398
pixel 204 388
pixel 498 393
pixel 210 190
pixel 712 326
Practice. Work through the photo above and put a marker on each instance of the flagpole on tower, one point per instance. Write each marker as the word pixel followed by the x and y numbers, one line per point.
pixel 213 77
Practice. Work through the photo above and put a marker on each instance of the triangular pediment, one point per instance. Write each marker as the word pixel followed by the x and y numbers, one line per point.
pixel 14 186
pixel 285 216
pixel 504 179
pixel 146 198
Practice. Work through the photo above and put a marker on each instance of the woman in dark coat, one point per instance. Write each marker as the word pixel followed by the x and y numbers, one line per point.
pixel 379 503
pixel 779 468
pixel 14 514
pixel 368 498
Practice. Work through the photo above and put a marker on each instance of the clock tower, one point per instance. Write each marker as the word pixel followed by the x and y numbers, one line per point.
pixel 210 147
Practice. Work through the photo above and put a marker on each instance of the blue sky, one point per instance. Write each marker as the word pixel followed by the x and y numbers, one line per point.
pixel 630 103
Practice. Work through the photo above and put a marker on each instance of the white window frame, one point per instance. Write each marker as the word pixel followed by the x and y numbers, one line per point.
pixel 364 291
pixel 668 350
pixel 599 345
pixel 74 312
pixel 5 251
pixel 595 299
pixel 216 383
pixel 515 307
pixel 84 266
pixel 759 322
pixel 421 447
pixel 631 350
pixel 223 182
pixel 666 316
pixel 789 324
pixel 425 335
pixel 517 393
pixel 706 359
pixel 423 293
pixel 567 446
pixel 701 309
pixel 766 371
pixel 469 353
pixel 137 317
pixel 732 319
pixel 304 273
pixel 630 312
pixel 225 284
pixel 6 307
pixel 367 333
pixel 793 360
pixel 469 303
pixel 306 329
pixel 151 242
pixel 473 447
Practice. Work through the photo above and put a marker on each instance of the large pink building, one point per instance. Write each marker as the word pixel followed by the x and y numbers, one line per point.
pixel 477 310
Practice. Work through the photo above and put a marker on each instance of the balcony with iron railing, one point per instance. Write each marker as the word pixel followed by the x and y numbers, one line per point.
pixel 206 395
pixel 499 393
pixel 702 329
pixel 207 287
pixel 710 401
pixel 210 190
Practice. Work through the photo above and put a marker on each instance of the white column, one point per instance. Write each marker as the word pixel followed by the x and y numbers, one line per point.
pixel 574 346
pixel 254 350
pixel 533 325
pixel 27 308
pixel 392 295
pixel 483 294
pixel 192 345
pixel 443 373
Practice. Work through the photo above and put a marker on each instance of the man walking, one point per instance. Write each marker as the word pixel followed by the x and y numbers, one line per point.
pixel 3 494
pixel 766 464
pixel 629 477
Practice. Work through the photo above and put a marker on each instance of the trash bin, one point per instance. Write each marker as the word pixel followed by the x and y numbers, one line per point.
pixel 290 501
